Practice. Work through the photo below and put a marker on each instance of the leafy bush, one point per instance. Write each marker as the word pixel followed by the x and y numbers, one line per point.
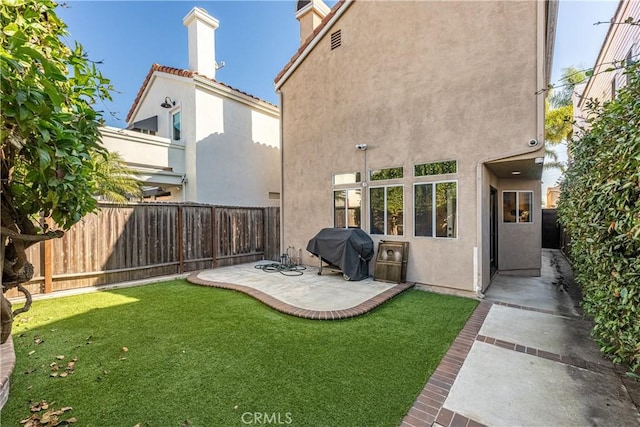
pixel 600 209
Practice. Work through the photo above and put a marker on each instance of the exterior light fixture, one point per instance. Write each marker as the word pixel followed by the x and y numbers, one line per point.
pixel 516 173
pixel 168 103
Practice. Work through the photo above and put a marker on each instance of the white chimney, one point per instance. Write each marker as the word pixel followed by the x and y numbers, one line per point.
pixel 202 41
pixel 310 14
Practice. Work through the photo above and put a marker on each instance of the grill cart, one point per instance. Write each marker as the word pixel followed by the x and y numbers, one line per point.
pixel 347 250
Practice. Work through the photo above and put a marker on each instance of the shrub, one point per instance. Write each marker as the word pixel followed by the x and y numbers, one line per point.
pixel 600 209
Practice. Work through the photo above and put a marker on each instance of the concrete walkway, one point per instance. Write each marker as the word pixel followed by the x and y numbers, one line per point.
pixel 525 358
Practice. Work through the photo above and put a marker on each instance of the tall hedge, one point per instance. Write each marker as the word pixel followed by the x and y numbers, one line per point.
pixel 600 209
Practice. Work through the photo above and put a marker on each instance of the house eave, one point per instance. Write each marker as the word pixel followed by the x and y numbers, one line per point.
pixel 140 138
pixel 149 84
pixel 552 20
pixel 207 84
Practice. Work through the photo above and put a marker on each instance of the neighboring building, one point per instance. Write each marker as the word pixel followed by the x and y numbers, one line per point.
pixel 420 122
pixel 196 139
pixel 621 46
pixel 159 161
pixel 553 194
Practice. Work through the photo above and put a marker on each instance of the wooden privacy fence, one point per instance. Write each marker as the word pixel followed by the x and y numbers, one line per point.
pixel 137 241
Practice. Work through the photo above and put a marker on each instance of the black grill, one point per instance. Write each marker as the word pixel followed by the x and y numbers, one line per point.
pixel 347 249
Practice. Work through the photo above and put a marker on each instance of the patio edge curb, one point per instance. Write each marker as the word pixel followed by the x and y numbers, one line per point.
pixel 276 304
pixel 7 365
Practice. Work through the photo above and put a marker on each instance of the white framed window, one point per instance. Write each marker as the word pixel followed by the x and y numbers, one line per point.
pixel 347 208
pixel 435 168
pixel 176 125
pixel 435 209
pixel 386 210
pixel 628 62
pixel 386 173
pixel 517 206
pixel 346 178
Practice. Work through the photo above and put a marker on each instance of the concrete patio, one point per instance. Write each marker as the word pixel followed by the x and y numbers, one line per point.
pixel 310 295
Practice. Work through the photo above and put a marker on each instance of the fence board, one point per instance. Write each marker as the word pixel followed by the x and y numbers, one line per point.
pixel 141 240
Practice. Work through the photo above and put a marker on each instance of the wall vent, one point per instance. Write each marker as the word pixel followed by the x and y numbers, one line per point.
pixel 336 39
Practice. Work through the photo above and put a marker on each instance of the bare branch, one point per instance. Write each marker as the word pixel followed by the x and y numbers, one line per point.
pixel 27 304
pixel 31 237
pixel 628 21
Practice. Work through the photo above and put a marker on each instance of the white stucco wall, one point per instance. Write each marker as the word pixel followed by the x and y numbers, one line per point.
pixel 231 141
pixel 237 151
pixel 158 161
pixel 151 150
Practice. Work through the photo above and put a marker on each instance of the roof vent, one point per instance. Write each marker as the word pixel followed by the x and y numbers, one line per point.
pixel 336 39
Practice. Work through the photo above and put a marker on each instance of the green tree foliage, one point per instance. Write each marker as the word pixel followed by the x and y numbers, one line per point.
pixel 558 113
pixel 563 93
pixel 558 124
pixel 115 181
pixel 551 159
pixel 48 131
pixel 559 107
pixel 600 209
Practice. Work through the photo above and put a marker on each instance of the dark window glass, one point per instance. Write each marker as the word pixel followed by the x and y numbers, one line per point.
pixel 435 168
pixel 176 126
pixel 389 173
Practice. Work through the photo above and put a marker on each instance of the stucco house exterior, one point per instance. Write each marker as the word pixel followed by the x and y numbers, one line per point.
pixel 197 139
pixel 620 47
pixel 420 122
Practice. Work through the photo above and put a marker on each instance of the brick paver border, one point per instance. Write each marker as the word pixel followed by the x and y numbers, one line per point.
pixel 539 310
pixel 567 360
pixel 292 310
pixel 427 409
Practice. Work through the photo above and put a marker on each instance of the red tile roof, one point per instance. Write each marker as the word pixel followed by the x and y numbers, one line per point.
pixel 182 73
pixel 309 39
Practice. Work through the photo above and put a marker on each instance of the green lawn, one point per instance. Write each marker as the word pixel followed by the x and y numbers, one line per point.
pixel 175 354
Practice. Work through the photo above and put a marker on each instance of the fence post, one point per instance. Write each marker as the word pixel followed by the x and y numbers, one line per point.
pixel 180 241
pixel 265 233
pixel 214 238
pixel 48 266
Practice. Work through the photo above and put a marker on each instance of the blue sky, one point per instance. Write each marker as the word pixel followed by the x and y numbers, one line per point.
pixel 578 40
pixel 255 40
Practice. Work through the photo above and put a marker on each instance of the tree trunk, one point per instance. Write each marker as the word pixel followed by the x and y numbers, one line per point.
pixel 6 319
pixel 6 316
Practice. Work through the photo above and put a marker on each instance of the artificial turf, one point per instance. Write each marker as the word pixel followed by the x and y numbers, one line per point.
pixel 175 354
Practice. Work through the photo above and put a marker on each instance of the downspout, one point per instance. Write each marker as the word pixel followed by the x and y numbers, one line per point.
pixel 539 117
pixel 184 187
pixel 281 102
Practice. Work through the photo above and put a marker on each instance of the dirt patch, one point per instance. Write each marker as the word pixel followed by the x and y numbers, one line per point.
pixel 565 280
